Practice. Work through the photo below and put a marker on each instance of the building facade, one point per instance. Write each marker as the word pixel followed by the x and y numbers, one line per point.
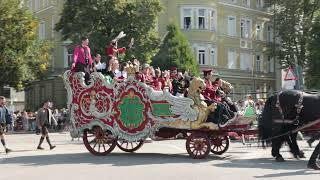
pixel 230 36
pixel 48 14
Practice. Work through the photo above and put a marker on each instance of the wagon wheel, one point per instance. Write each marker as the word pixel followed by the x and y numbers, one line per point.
pixel 129 146
pixel 99 142
pixel 198 146
pixel 219 144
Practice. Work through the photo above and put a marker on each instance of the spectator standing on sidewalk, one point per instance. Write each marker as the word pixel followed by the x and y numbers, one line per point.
pixel 25 121
pixel 4 118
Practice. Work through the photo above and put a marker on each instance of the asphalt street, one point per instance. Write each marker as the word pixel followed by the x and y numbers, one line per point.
pixel 159 160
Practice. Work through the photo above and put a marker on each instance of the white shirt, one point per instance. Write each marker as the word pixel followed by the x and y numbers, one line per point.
pixel 118 73
pixel 100 66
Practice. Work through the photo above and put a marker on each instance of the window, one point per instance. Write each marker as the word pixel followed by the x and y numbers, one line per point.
pixel 245 27
pixel 232 59
pixel 245 61
pixel 202 19
pixel 213 57
pixel 212 20
pixel 37 4
pixel 246 3
pixel 29 5
pixel 187 18
pixel 232 31
pixel 259 33
pixel 259 3
pixel 68 60
pixel 42 27
pixel 198 18
pixel 201 56
pixel 270 33
pixel 259 63
pixel 270 65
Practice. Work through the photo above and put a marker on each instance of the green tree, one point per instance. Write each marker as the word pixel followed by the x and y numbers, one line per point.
pixel 102 20
pixel 175 51
pixel 293 22
pixel 313 65
pixel 21 55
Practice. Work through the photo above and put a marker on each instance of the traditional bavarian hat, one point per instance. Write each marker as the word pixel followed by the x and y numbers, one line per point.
pixel 173 69
pixel 207 71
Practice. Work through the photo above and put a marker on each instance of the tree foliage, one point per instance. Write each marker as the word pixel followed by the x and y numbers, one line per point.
pixel 21 54
pixel 102 20
pixel 175 51
pixel 293 22
pixel 313 73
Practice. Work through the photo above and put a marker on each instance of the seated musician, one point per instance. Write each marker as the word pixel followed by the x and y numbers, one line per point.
pixel 146 75
pixel 98 66
pixel 113 70
pixel 213 94
pixel 158 82
pixel 179 85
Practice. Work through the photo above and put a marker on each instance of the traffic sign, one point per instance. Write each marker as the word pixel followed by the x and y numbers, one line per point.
pixel 290 75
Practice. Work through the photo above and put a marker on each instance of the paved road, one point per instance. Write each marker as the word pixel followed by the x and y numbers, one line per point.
pixel 161 160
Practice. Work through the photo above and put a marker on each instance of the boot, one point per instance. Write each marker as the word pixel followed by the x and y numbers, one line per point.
pixel 40 142
pixel 51 146
pixel 8 150
pixel 309 143
pixel 313 165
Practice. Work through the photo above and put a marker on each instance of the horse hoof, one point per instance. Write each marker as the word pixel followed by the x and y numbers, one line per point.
pixel 313 166
pixel 280 159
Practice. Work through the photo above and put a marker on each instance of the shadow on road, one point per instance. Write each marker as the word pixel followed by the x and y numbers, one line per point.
pixel 114 159
pixel 270 163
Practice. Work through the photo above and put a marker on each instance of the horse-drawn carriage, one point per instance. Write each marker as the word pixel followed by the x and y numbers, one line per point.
pixel 126 113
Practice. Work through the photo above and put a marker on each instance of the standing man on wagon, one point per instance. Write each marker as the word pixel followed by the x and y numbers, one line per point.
pixel 4 115
pixel 82 60
pixel 43 120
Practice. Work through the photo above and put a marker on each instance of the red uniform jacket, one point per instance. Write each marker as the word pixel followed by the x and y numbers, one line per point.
pixel 210 91
pixel 112 51
pixel 157 84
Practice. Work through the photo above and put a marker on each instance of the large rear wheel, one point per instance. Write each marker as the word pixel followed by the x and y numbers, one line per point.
pixel 99 142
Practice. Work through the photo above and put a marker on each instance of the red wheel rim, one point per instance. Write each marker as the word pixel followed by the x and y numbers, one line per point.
pixel 99 142
pixel 220 144
pixel 198 146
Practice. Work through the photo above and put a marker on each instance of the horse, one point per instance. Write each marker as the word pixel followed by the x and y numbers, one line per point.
pixel 283 114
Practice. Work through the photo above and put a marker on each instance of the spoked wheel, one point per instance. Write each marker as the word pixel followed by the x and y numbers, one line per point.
pixel 129 146
pixel 99 142
pixel 198 146
pixel 219 144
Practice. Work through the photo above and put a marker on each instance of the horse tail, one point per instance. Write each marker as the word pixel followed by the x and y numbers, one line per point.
pixel 265 121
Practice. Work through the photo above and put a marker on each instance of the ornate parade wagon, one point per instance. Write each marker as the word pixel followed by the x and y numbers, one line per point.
pixel 126 113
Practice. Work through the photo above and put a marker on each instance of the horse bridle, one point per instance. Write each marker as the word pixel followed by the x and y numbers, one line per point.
pixel 298 106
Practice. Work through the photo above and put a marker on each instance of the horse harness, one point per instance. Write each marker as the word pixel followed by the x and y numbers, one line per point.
pixel 298 106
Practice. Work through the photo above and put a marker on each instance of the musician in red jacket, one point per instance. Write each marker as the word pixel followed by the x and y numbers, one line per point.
pixel 112 50
pixel 210 92
pixel 222 114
